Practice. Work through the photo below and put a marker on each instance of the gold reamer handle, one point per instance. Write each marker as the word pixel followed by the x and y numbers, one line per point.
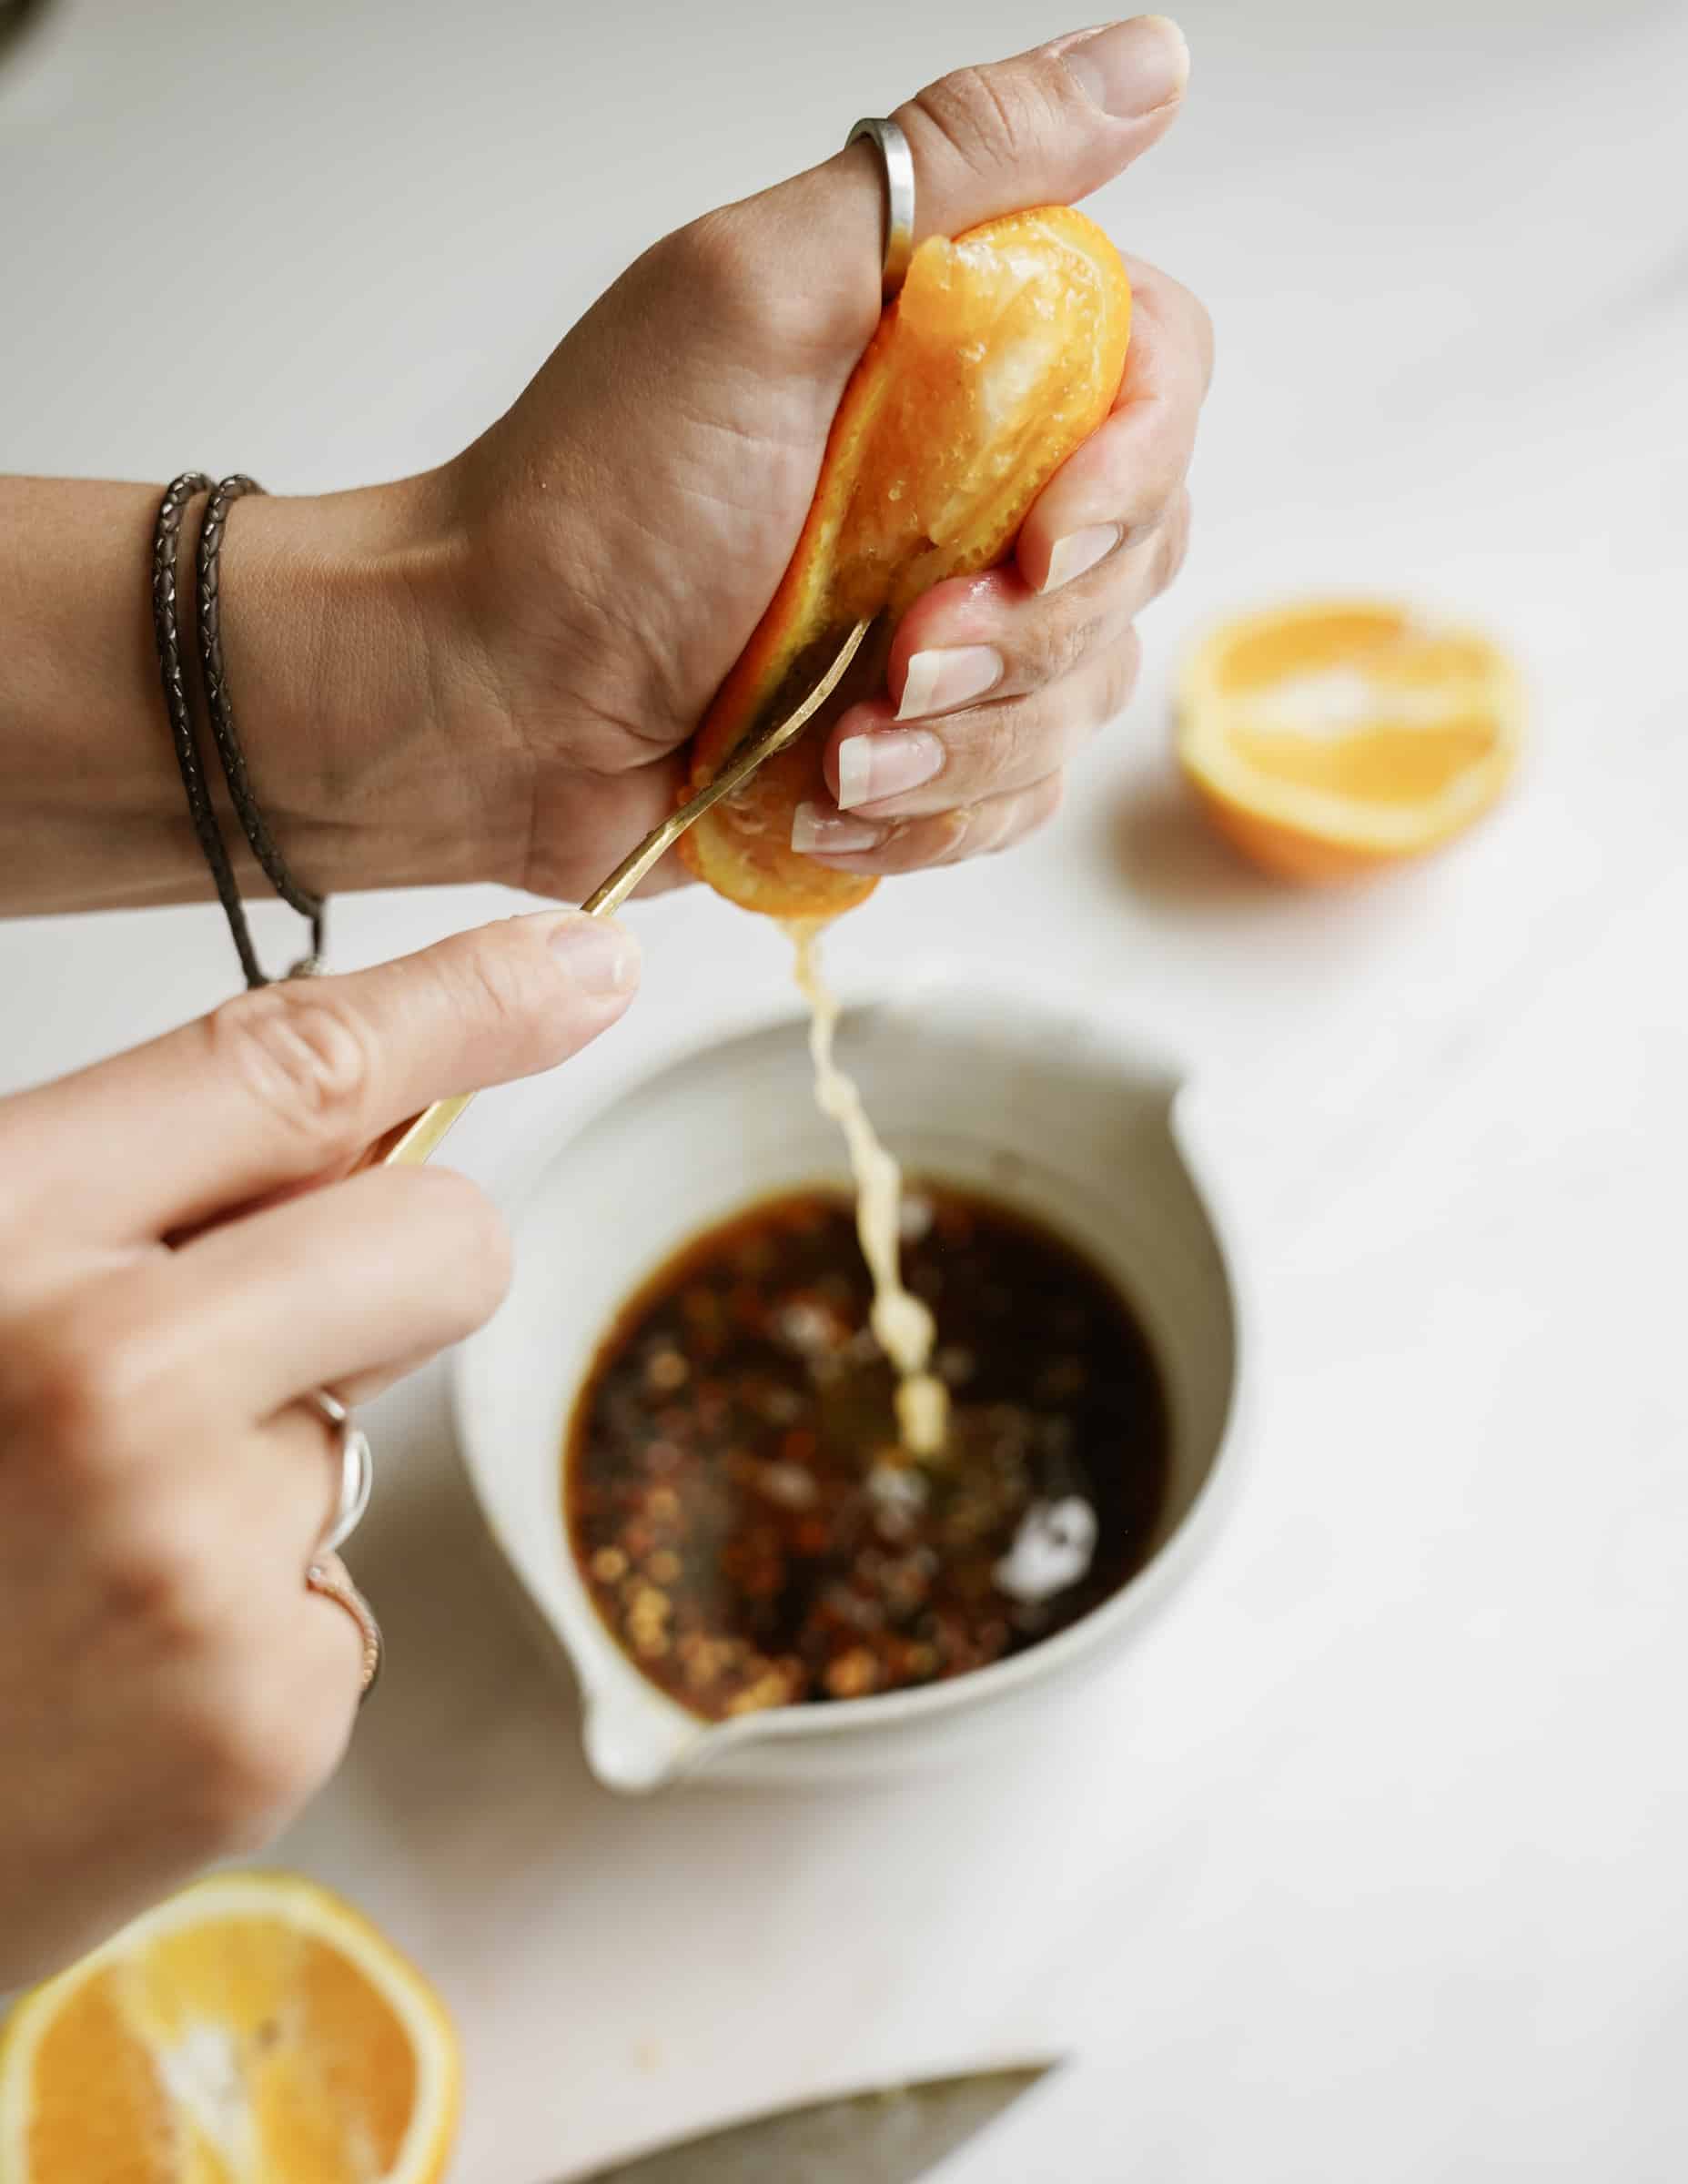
pixel 408 1144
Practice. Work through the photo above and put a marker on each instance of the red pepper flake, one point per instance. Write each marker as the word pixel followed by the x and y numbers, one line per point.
pixel 853 1674
pixel 666 1370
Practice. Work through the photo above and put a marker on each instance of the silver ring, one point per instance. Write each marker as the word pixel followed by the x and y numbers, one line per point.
pixel 898 162
pixel 356 1469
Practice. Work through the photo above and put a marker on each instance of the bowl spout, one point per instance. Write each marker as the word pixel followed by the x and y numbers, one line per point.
pixel 638 1740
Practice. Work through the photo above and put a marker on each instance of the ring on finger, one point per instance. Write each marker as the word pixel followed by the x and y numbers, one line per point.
pixel 328 1577
pixel 897 164
pixel 356 1470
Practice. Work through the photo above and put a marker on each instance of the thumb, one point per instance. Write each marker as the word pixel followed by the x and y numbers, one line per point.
pixel 1046 128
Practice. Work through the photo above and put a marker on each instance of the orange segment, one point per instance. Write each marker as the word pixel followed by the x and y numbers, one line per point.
pixel 1328 738
pixel 253 2030
pixel 1003 353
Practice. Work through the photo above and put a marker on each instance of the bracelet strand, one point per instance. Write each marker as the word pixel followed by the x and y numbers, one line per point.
pixel 208 560
pixel 166 632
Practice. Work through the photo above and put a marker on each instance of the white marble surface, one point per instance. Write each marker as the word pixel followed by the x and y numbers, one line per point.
pixel 1376 1869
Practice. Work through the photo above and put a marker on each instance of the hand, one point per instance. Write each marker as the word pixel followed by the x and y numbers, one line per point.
pixel 169 1288
pixel 621 531
pixel 487 671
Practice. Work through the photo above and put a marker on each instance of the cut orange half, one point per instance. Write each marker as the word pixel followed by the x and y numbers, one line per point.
pixel 1002 355
pixel 1328 739
pixel 253 2030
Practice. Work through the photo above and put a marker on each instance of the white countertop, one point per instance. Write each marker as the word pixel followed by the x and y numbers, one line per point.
pixel 1376 1867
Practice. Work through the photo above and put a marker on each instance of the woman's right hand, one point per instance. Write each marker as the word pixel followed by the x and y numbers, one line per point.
pixel 609 546
pixel 172 1282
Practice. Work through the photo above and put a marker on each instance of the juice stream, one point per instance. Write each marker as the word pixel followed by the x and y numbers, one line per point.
pixel 902 1325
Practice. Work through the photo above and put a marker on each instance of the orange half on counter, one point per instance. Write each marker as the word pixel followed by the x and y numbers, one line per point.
pixel 253 2030
pixel 1003 353
pixel 1328 739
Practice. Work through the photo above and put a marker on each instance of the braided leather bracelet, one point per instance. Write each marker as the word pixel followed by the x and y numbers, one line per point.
pixel 263 844
pixel 166 631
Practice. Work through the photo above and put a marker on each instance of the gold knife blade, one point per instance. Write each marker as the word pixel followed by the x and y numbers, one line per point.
pixel 892 2137
pixel 408 1144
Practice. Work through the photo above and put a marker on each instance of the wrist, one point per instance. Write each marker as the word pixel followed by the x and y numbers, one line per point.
pixel 375 754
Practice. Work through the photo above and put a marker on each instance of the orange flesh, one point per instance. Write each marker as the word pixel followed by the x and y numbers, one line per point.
pixel 1330 739
pixel 1371 639
pixel 1002 355
pixel 318 2063
pixel 1391 763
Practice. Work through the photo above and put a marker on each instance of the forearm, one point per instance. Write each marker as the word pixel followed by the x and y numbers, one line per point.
pixel 337 619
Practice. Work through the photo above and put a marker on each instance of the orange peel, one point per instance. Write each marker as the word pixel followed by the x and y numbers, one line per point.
pixel 1003 353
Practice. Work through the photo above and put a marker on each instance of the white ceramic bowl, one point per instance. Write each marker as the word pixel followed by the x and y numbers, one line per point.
pixel 1041 1105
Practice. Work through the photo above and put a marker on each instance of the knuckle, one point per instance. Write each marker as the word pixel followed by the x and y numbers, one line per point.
pixel 989 118
pixel 1022 815
pixel 157 1578
pixel 1201 327
pixel 506 999
pixel 983 830
pixel 1187 317
pixel 1155 489
pixel 963 835
pixel 1006 825
pixel 1063 637
pixel 913 844
pixel 1050 796
pixel 304 1057
pixel 1119 677
pixel 1023 745
pixel 1175 543
pixel 73 1387
pixel 494 987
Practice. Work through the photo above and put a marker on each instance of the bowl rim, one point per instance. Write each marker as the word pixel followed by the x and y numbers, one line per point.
pixel 592 1652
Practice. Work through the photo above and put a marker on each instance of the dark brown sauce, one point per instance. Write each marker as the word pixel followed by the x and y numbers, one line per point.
pixel 736 1499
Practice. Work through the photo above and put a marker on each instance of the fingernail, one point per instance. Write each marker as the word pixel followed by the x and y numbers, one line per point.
pixel 1079 551
pixel 1130 68
pixel 884 764
pixel 813 827
pixel 600 958
pixel 950 675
